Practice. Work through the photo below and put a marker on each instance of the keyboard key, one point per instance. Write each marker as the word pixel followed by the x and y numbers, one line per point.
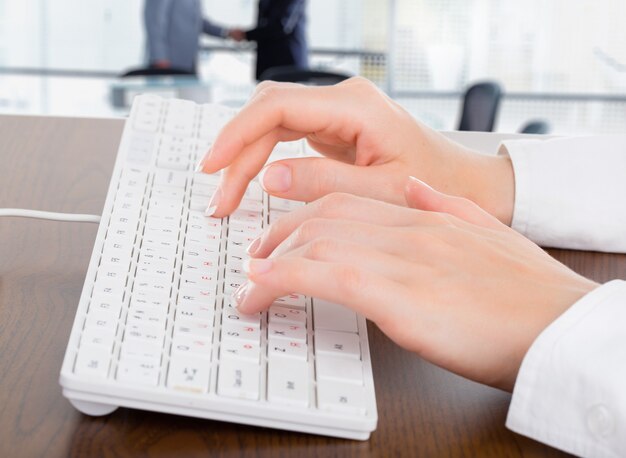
pixel 334 317
pixel 170 178
pixel 141 146
pixel 238 379
pixel 92 361
pixel 283 205
pixel 117 260
pixel 97 337
pixel 280 314
pixel 341 397
pixel 247 351
pixel 140 300
pixel 232 284
pixel 195 311
pixel 288 382
pixel 231 315
pixel 164 207
pixel 205 178
pixel 240 332
pixel 173 162
pixel 245 217
pixel 189 373
pixel 193 295
pixel 196 267
pixel 337 344
pixel 147 316
pixel 138 350
pixel 151 287
pixel 197 328
pixel 202 252
pixel 144 333
pixel 283 348
pixel 105 322
pixel 203 190
pixel 287 332
pixel 339 369
pixel 101 303
pixel 292 300
pixel 185 345
pixel 199 203
pixel 138 372
pixel 167 192
pixel 251 205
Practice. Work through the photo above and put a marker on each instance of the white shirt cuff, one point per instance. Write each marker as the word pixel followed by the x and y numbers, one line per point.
pixel 570 392
pixel 570 192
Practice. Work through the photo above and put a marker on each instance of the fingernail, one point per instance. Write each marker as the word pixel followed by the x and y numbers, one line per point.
pixel 199 166
pixel 240 294
pixel 417 180
pixel 214 202
pixel 275 178
pixel 257 266
pixel 253 246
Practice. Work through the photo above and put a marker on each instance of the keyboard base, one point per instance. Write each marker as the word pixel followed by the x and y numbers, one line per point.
pixel 98 405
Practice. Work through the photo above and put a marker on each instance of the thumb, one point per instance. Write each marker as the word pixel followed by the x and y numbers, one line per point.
pixel 421 196
pixel 308 179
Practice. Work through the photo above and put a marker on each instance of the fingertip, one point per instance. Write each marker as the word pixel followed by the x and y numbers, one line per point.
pixel 420 195
pixel 248 299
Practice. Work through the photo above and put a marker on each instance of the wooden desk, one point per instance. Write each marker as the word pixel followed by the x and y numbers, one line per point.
pixel 63 164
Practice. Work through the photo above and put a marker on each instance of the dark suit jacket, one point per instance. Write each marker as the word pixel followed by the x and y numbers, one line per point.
pixel 280 34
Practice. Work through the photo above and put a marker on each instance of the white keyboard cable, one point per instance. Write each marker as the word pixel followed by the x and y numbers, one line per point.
pixel 53 216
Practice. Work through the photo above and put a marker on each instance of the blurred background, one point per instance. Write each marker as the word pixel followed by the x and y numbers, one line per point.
pixel 559 62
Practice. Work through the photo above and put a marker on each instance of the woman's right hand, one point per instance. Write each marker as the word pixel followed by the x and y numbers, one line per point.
pixel 370 143
pixel 445 280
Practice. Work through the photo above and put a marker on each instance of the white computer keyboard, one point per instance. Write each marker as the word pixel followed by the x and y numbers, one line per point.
pixel 155 328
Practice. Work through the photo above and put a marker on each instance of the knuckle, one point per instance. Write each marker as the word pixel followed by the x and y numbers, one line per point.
pixel 350 280
pixel 333 203
pixel 320 248
pixel 264 85
pixel 268 92
pixel 308 230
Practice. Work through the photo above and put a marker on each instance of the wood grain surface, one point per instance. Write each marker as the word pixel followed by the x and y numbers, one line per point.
pixel 64 164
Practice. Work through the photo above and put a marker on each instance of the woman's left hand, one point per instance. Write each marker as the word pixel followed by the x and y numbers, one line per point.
pixel 443 279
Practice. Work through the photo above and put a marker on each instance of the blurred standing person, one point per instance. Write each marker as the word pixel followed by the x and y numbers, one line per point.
pixel 280 35
pixel 173 29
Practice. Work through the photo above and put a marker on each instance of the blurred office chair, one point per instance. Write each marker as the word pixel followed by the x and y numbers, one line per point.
pixel 153 71
pixel 480 107
pixel 291 74
pixel 537 126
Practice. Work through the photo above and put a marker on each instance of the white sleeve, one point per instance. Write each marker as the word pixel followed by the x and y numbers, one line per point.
pixel 570 392
pixel 571 192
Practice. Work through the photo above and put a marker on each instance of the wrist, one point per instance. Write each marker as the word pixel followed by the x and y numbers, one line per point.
pixel 493 186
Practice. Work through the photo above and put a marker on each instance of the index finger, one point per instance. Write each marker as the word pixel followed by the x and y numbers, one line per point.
pixel 293 107
pixel 345 207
